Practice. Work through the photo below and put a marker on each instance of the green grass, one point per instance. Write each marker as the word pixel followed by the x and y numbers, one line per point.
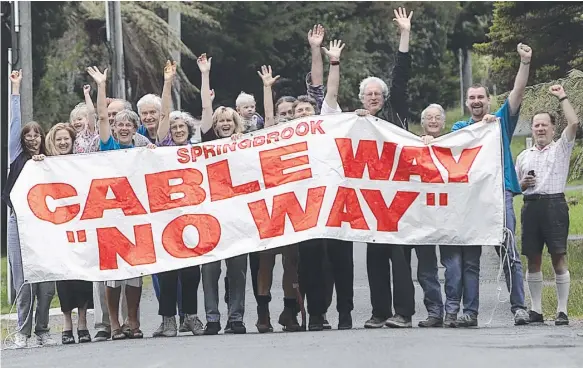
pixel 4 306
pixel 575 306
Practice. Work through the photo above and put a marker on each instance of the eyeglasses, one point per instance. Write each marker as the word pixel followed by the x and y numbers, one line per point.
pixel 31 137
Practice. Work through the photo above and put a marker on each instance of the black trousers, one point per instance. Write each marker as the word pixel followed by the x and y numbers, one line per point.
pixel 379 258
pixel 312 273
pixel 189 280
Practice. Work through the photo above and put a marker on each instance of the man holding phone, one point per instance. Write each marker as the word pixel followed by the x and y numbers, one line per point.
pixel 545 213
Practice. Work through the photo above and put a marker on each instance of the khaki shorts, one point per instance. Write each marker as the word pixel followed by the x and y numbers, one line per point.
pixel 135 282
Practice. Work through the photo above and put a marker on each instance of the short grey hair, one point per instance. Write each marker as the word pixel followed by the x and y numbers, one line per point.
pixel 366 81
pixel 433 106
pixel 127 115
pixel 150 99
pixel 188 119
pixel 126 104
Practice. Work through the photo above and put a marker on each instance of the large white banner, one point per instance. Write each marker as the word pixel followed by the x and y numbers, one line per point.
pixel 120 214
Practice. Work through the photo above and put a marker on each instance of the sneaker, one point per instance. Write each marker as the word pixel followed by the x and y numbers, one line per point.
pixel 562 319
pixel 238 328
pixel 375 322
pixel 344 321
pixel 467 320
pixel 193 324
pixel 289 320
pixel 316 323
pixel 521 317
pixel 45 339
pixel 102 336
pixel 212 328
pixel 228 328
pixel 398 321
pixel 450 320
pixel 431 322
pixel 535 317
pixel 327 325
pixel 167 328
pixel 20 341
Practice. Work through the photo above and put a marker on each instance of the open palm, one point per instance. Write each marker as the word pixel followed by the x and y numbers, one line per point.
pixel 266 76
pixel 97 76
pixel 403 21
pixel 336 48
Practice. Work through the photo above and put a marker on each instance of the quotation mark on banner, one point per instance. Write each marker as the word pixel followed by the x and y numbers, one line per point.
pixel 81 236
pixel 430 199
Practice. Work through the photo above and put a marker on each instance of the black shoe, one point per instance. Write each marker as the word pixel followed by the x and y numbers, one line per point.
pixel 467 320
pixel 398 321
pixel 212 328
pixel 102 336
pixel 263 319
pixel 562 319
pixel 228 328
pixel 289 320
pixel 316 323
pixel 450 320
pixel 344 321
pixel 327 325
pixel 535 317
pixel 238 328
pixel 431 322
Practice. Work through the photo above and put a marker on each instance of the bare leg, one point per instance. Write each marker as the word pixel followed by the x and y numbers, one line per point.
pixel 133 295
pixel 112 297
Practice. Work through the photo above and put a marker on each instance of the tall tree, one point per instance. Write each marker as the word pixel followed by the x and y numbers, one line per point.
pixel 552 29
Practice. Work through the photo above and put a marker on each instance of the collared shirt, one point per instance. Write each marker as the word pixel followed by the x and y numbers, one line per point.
pixel 508 124
pixel 550 165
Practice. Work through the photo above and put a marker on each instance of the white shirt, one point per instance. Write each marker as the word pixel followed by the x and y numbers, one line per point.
pixel 327 110
pixel 550 165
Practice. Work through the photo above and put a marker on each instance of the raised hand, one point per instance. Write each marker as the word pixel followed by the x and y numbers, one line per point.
pixel 316 36
pixel 16 76
pixel 97 76
pixel 524 51
pixel 169 70
pixel 204 64
pixel 336 48
pixel 266 76
pixel 86 89
pixel 403 21
pixel 557 90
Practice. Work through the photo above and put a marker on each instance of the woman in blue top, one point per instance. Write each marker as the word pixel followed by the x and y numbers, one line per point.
pixel 25 144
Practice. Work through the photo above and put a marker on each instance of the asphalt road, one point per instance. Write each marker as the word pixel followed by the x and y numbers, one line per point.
pixel 497 344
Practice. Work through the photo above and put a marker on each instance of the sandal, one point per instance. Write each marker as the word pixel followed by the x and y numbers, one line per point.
pixel 84 336
pixel 67 337
pixel 135 333
pixel 117 334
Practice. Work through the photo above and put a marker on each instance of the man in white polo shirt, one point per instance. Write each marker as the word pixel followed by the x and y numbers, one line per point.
pixel 542 171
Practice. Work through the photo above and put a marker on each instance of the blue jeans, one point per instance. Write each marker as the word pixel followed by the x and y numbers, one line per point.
pixel 515 270
pixel 156 285
pixel 462 278
pixel 429 280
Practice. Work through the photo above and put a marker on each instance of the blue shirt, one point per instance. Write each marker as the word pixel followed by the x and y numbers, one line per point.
pixel 143 131
pixel 508 124
pixel 112 144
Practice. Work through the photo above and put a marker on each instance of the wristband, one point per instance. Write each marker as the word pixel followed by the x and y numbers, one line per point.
pixel 334 62
pixel 525 62
pixel 563 99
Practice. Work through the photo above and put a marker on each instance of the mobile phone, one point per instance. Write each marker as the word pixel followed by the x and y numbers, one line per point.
pixel 531 173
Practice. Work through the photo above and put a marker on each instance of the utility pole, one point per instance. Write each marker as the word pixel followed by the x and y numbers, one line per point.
pixel 174 25
pixel 115 39
pixel 23 28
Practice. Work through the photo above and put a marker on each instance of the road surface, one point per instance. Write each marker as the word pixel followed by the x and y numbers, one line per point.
pixel 498 344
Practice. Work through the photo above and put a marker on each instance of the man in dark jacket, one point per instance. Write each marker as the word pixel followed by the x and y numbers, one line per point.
pixel 390 105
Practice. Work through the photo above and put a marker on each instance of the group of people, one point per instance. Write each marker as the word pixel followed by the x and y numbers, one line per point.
pixel 313 268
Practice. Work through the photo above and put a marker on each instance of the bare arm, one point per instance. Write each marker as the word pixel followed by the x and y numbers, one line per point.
pixel 315 38
pixel 15 148
pixel 404 23
pixel 164 126
pixel 100 79
pixel 268 80
pixel 572 121
pixel 205 93
pixel 90 108
pixel 333 83
pixel 517 93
